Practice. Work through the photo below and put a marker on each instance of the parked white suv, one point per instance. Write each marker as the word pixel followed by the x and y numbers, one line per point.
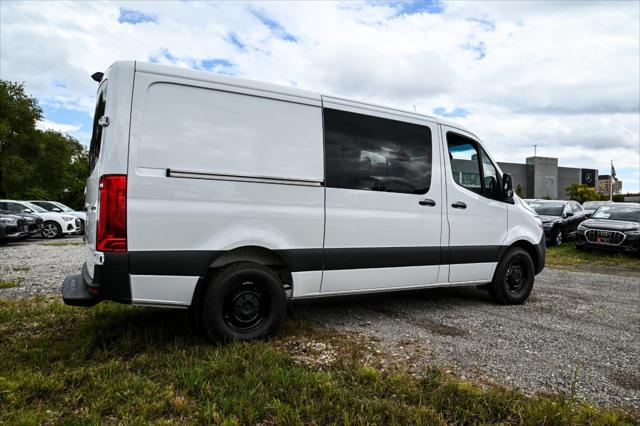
pixel 54 206
pixel 282 193
pixel 55 224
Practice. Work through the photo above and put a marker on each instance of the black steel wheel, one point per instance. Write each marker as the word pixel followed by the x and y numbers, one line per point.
pixel 243 301
pixel 513 280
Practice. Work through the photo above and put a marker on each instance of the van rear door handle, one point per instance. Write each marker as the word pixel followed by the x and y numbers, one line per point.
pixel 459 205
pixel 427 202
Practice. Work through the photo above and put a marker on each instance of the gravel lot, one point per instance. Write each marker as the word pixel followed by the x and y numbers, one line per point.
pixel 576 327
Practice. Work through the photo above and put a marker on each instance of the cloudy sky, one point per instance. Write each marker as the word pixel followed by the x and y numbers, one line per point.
pixel 562 75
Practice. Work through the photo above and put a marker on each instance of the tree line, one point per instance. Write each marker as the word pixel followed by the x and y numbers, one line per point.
pixel 37 164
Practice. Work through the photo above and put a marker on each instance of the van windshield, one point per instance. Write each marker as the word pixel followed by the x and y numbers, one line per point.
pixel 96 136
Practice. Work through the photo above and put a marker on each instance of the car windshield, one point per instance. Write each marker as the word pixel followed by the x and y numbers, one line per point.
pixel 63 207
pixel 548 209
pixel 592 204
pixel 613 212
pixel 35 208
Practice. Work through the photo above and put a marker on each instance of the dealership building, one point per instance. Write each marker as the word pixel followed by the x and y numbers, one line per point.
pixel 541 177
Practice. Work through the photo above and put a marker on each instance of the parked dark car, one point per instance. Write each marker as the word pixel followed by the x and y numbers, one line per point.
pixel 12 227
pixel 614 226
pixel 34 223
pixel 591 206
pixel 560 219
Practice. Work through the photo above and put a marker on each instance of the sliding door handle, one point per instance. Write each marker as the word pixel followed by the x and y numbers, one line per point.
pixel 427 202
pixel 459 205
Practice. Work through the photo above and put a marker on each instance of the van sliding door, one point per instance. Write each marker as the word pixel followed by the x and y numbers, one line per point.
pixel 383 199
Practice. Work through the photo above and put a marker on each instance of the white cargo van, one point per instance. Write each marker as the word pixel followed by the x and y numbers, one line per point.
pixel 229 197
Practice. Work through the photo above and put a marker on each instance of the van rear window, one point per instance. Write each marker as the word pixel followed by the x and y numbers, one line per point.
pixel 96 136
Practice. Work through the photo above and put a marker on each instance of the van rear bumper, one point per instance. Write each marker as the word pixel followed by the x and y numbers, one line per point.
pixel 110 282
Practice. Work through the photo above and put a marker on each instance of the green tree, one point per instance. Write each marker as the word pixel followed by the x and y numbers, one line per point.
pixel 37 164
pixel 582 193
pixel 19 113
pixel 519 190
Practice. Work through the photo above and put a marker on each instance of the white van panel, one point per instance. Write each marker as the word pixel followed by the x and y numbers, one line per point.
pixel 473 272
pixel 306 283
pixel 162 289
pixel 210 131
pixel 348 280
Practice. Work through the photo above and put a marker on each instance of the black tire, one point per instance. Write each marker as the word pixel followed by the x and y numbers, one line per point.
pixel 513 280
pixel 557 237
pixel 51 230
pixel 244 301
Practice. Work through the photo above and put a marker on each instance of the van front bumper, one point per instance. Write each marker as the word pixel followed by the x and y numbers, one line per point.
pixel 110 282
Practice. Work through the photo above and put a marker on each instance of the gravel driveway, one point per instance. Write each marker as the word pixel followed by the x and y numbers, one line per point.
pixel 576 327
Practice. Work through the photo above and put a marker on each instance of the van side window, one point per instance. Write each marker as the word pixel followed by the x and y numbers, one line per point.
pixel 465 164
pixel 376 154
pixel 490 175
pixel 96 136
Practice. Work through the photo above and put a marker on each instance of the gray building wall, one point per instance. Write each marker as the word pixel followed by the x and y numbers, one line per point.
pixel 545 176
pixel 567 176
pixel 519 174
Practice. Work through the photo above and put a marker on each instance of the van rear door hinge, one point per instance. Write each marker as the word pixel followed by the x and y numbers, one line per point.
pixel 103 121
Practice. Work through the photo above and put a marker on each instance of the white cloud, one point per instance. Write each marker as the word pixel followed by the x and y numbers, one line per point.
pixel 562 75
pixel 58 127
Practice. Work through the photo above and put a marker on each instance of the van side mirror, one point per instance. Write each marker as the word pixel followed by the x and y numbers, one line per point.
pixel 507 186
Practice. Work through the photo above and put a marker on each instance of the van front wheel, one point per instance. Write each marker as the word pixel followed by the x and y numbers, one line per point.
pixel 244 301
pixel 513 281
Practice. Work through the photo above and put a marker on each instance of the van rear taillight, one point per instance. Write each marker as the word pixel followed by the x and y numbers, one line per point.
pixel 112 218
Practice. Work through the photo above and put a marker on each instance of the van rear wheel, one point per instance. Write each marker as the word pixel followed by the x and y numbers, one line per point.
pixel 244 301
pixel 513 280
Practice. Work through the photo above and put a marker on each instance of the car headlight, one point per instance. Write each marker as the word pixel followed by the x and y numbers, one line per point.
pixel 68 218
pixel 9 221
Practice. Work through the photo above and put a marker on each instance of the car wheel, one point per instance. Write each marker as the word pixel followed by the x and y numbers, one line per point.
pixel 513 280
pixel 557 237
pixel 51 230
pixel 244 301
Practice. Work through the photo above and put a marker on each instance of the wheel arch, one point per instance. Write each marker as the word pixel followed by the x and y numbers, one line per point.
pixel 256 254
pixel 530 248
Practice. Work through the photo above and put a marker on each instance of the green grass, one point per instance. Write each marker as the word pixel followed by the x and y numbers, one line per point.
pixel 9 283
pixel 121 364
pixel 567 255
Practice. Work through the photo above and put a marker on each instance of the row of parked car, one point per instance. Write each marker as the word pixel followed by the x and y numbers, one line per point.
pixel 594 224
pixel 49 219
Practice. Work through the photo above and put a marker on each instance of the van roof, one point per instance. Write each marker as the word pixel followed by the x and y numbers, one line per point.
pixel 211 77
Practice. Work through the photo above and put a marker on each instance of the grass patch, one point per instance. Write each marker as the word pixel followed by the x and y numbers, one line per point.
pixel 567 255
pixel 9 283
pixel 121 364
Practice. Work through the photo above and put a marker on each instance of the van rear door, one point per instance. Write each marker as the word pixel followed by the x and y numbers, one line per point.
pixel 93 181
pixel 109 147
